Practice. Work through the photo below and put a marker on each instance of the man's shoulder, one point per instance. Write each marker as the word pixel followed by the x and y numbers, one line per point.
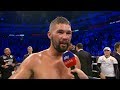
pixel 43 52
pixel 12 56
pixel 31 59
pixel 101 57
pixel 84 52
pixel 37 54
pixel 116 55
pixel 81 52
pixel 25 55
pixel 112 57
pixel 33 55
pixel 3 57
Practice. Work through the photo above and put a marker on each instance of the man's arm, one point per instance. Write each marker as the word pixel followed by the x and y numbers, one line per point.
pixel 80 73
pixel 115 66
pixel 24 71
pixel 116 70
pixel 99 69
pixel 25 56
pixel 14 60
pixel 102 76
pixel 1 61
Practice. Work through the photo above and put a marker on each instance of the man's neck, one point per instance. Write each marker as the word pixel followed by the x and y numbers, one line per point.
pixel 7 55
pixel 79 50
pixel 29 53
pixel 107 56
pixel 53 52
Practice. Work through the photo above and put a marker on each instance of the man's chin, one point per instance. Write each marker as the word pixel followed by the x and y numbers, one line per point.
pixel 63 50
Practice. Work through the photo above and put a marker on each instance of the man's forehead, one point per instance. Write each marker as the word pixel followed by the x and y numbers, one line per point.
pixel 29 48
pixel 7 49
pixel 62 27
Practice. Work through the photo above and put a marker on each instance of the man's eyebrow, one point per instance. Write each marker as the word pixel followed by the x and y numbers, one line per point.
pixel 60 30
pixel 63 30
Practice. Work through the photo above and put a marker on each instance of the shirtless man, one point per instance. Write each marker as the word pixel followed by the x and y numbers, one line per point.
pixel 48 63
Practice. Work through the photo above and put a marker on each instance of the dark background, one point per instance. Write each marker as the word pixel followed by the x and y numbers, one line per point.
pixel 95 29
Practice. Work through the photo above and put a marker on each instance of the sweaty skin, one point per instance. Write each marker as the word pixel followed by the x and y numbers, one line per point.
pixel 39 66
pixel 48 64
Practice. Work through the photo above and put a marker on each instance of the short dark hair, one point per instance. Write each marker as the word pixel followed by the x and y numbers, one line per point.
pixel 59 20
pixel 117 44
pixel 79 45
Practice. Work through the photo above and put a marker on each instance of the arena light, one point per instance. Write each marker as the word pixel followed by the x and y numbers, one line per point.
pixel 115 22
pixel 75 30
pixel 22 35
pixel 11 35
pixel 17 35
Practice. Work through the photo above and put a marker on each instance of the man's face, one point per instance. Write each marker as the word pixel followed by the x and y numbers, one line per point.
pixel 107 52
pixel 76 48
pixel 71 47
pixel 118 49
pixel 30 50
pixel 61 36
pixel 7 51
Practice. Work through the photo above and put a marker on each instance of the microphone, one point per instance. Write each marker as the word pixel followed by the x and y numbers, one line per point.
pixel 70 61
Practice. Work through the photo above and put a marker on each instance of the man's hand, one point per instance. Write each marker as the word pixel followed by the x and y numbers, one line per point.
pixel 102 76
pixel 13 64
pixel 80 73
pixel 4 66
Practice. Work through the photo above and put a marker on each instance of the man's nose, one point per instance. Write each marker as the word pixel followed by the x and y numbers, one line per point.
pixel 65 36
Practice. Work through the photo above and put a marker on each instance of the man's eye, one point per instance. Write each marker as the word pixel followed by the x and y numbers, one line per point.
pixel 60 32
pixel 69 33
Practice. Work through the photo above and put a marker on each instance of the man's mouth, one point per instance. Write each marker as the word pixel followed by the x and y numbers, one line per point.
pixel 63 44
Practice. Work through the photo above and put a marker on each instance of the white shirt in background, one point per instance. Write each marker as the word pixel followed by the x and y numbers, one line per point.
pixel 107 67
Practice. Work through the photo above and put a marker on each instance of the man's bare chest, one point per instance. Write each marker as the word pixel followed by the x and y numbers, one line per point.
pixel 51 71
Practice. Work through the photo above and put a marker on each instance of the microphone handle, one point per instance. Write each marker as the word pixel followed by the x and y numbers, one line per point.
pixel 74 73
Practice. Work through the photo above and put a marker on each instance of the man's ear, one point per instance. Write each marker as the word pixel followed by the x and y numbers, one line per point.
pixel 49 34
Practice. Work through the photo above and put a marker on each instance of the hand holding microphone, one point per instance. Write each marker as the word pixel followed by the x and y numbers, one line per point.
pixel 70 62
pixel 80 73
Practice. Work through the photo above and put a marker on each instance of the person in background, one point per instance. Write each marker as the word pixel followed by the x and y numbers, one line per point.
pixel 30 51
pixel 116 54
pixel 108 65
pixel 72 48
pixel 85 59
pixel 7 63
